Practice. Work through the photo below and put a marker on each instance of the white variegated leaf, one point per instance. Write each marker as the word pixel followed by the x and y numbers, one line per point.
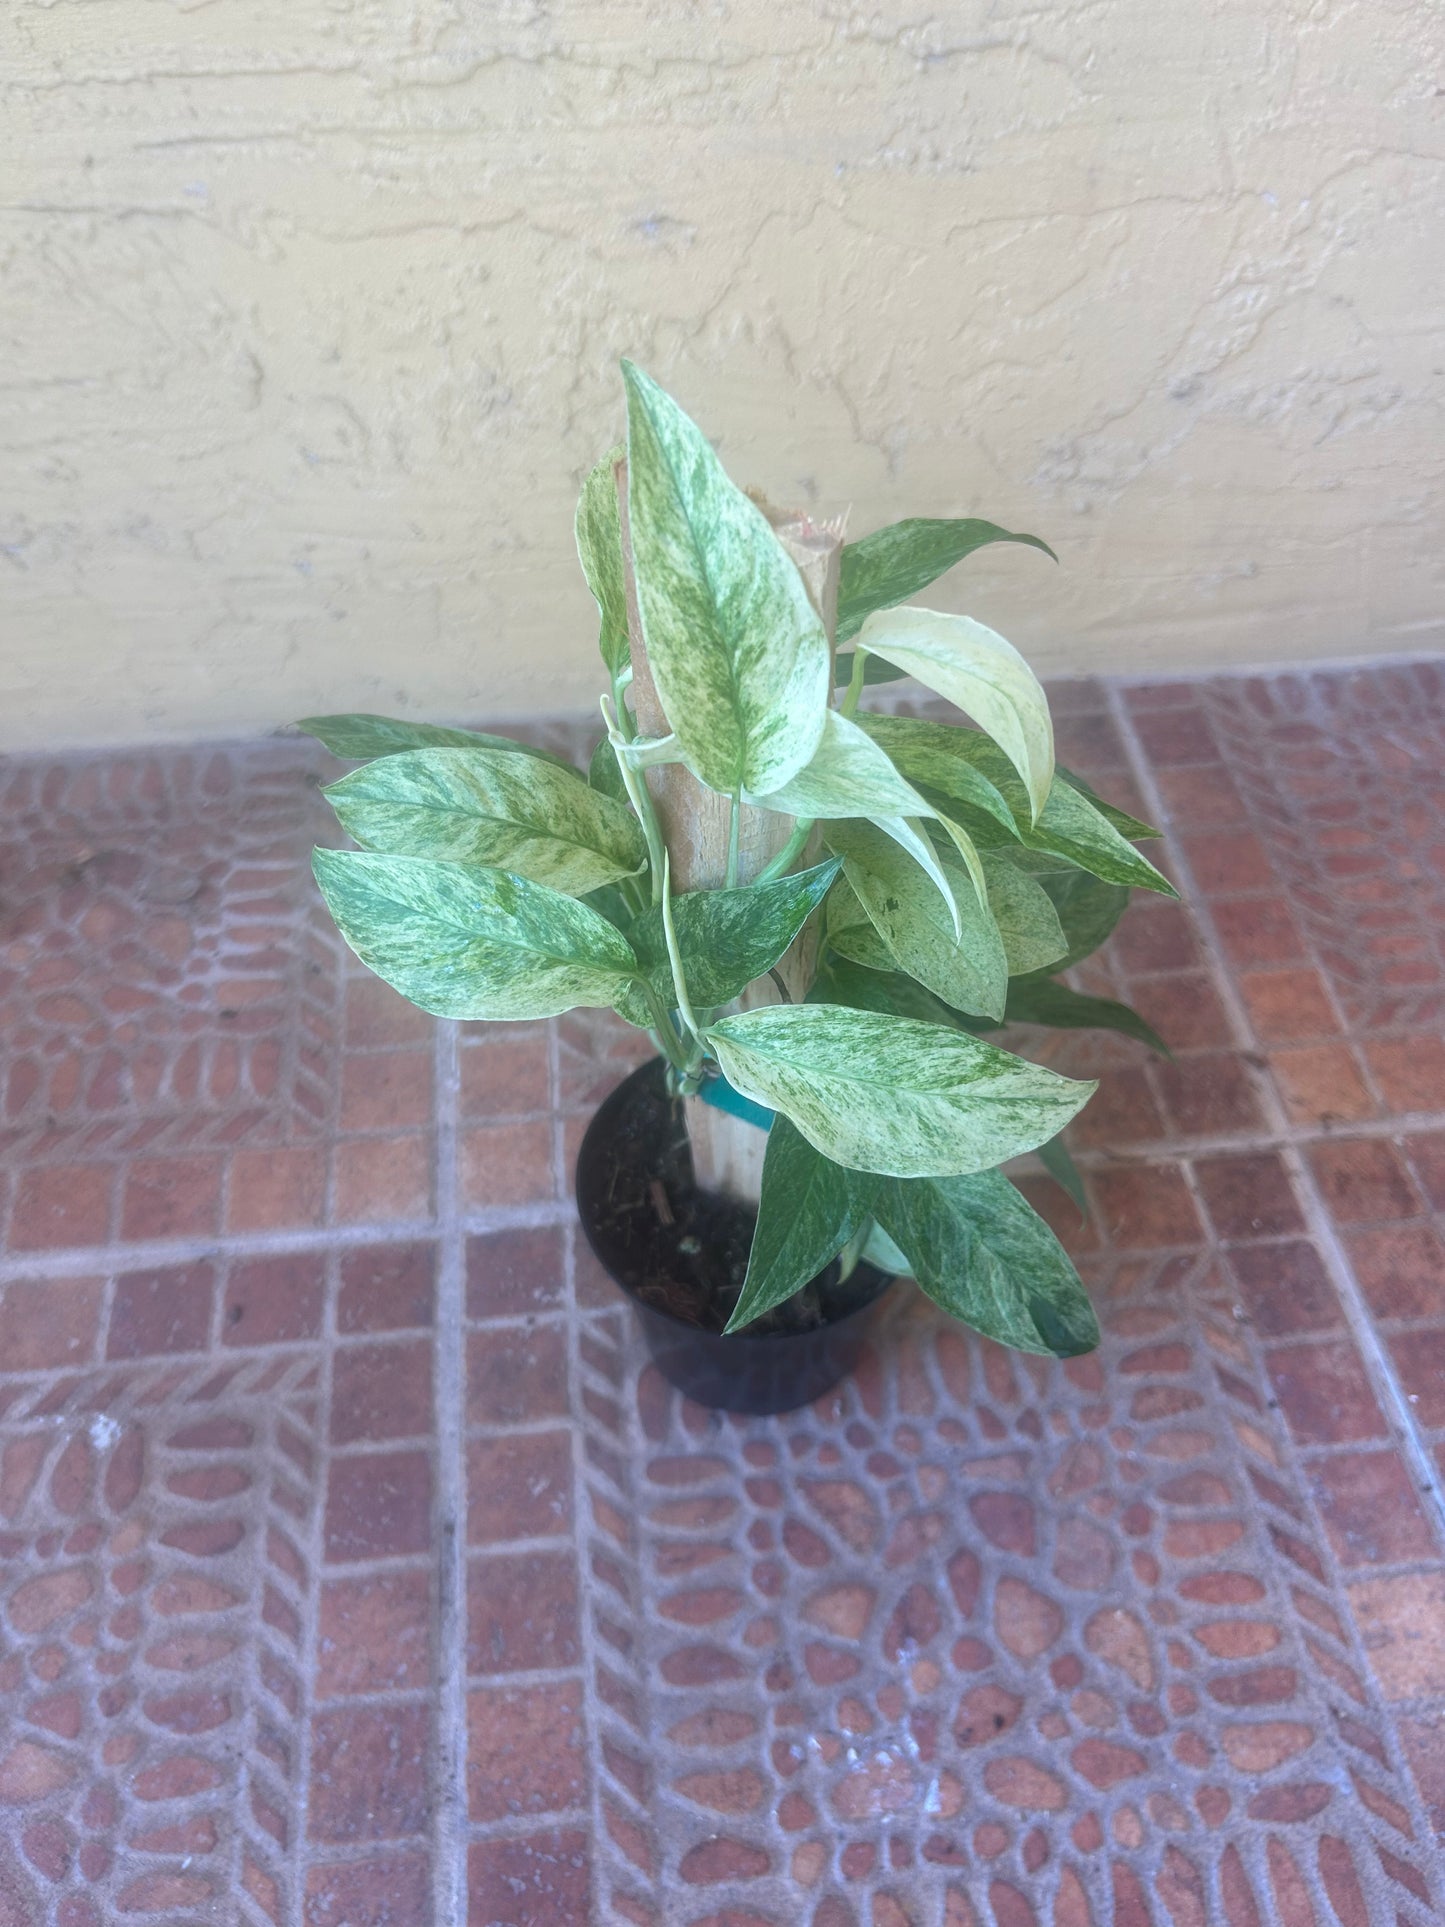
pixel 987 678
pixel 849 775
pixel 889 1094
pixel 468 942
pixel 599 547
pixel 488 807
pixel 967 969
pixel 737 651
pixel 980 1250
pixel 1033 937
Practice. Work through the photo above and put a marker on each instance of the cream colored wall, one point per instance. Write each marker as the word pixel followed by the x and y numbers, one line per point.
pixel 309 315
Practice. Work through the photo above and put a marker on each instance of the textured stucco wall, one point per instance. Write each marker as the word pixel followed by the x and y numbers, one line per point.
pixel 309 314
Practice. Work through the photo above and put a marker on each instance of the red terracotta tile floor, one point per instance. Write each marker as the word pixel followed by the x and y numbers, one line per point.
pixel 357 1571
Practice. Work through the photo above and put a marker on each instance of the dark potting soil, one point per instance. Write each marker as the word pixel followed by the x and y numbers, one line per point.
pixel 679 1249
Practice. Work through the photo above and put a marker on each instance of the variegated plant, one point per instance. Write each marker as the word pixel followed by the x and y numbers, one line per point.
pixel 933 881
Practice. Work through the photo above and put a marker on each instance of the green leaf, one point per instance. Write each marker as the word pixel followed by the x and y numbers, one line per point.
pixel 609 902
pixel 851 932
pixel 1054 1155
pixel 875 670
pixel 1127 826
pixel 1088 909
pixel 1041 1000
pixel 737 651
pixel 604 775
pixel 968 970
pixel 985 676
pixel 894 563
pixel 468 942
pixel 727 938
pixel 981 1251
pixel 483 806
pixel 890 1095
pixel 1027 920
pixel 945 759
pixel 911 836
pixel 359 738
pixel 809 1209
pixel 849 775
pixel 599 546
pixel 1072 826
pixel 841 980
pixel 965 765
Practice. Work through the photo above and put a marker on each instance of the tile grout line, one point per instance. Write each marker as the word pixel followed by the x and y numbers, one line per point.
pixel 1379 1369
pixel 312 1601
pixel 448 1365
pixel 586 1632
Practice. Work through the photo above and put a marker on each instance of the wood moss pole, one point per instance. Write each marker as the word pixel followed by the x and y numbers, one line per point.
pixel 727 1152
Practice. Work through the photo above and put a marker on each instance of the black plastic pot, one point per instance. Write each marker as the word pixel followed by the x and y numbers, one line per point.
pixel 635 1152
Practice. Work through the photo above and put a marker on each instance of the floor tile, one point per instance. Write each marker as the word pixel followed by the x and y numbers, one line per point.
pixel 358 1568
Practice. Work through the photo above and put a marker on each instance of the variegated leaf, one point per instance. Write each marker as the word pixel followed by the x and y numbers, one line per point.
pixel 726 938
pixel 809 1209
pixel 892 564
pixel 969 969
pixel 975 668
pixel 981 1251
pixel 737 651
pixel 469 942
pixel 890 1095
pixel 965 765
pixel 1033 938
pixel 598 530
pixel 483 806
pixel 358 738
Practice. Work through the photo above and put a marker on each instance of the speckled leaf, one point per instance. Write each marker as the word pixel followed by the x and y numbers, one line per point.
pixel 937 757
pixel 981 1251
pixel 1128 826
pixel 809 1209
pixel 841 980
pixel 468 942
pixel 1028 923
pixel 984 675
pixel 599 546
pixel 483 806
pixel 893 564
pixel 890 1095
pixel 359 738
pixel 911 836
pixel 848 775
pixel 851 932
pixel 968 970
pixel 1072 826
pixel 1042 1000
pixel 727 938
pixel 737 651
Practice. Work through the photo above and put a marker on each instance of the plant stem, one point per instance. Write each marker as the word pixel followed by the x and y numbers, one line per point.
pixel 640 798
pixel 735 818
pixel 663 1029
pixel 855 682
pixel 674 957
pixel 789 853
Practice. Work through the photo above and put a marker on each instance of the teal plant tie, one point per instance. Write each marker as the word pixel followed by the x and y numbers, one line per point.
pixel 720 1094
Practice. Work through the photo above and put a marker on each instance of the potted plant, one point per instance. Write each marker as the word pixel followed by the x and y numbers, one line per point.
pixel 817 913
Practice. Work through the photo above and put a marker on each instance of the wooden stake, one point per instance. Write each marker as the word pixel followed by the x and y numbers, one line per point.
pixel 727 1152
